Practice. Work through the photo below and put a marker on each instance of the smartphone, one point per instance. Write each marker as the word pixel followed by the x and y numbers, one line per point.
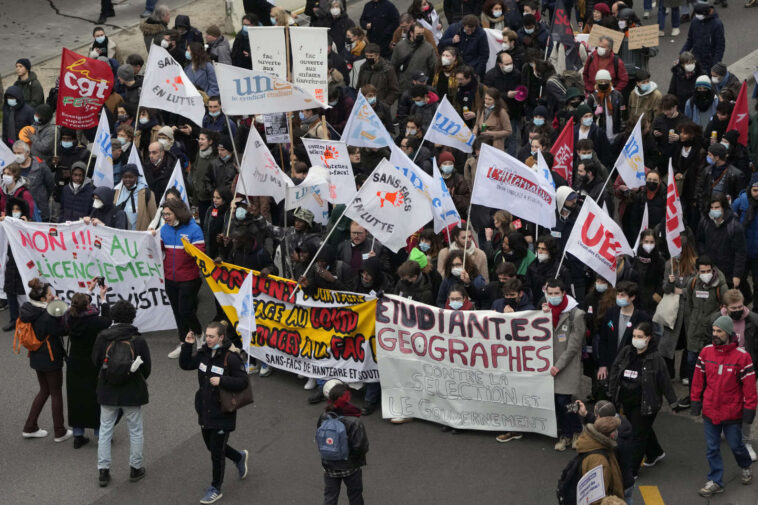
pixel 100 281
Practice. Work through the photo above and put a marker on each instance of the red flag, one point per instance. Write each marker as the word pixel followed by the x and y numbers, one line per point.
pixel 740 115
pixel 563 152
pixel 674 216
pixel 84 85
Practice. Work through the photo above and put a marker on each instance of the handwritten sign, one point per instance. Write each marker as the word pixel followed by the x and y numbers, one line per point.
pixel 643 36
pixel 598 31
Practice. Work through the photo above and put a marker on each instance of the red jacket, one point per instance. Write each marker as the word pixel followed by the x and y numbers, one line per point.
pixel 594 63
pixel 724 381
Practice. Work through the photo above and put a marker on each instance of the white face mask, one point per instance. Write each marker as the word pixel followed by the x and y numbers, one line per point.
pixel 622 24
pixel 164 44
pixel 648 248
pixel 97 204
pixel 20 158
pixel 16 214
pixel 506 46
pixel 446 60
pixel 543 257
pixel 639 343
pixel 706 278
pixel 164 142
pixel 601 51
pixel 335 12
pixel 7 180
pixel 689 67
pixel 700 17
pixel 77 185
pixel 456 271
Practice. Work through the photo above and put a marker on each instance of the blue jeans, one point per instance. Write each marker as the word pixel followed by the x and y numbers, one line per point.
pixel 733 435
pixel 648 4
pixel 568 424
pixel 79 432
pixel 662 17
pixel 629 495
pixel 150 5
pixel 108 416
pixel 373 394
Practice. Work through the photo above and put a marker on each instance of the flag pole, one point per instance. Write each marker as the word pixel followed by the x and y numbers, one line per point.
pixel 468 226
pixel 286 262
pixel 422 143
pixel 602 191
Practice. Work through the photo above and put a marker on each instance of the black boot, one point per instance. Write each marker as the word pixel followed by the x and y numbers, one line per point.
pixel 105 477
pixel 80 441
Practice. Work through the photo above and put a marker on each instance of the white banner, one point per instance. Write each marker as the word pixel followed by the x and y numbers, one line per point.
pixel 102 150
pixel 167 87
pixel 495 41
pixel 503 182
pixel 480 370
pixel 333 156
pixel 259 174
pixel 245 307
pixel 268 50
pixel 445 213
pixel 309 60
pixel 6 156
pixel 591 487
pixel 390 207
pixel 134 159
pixel 276 128
pixel 643 226
pixel 596 240
pixel 251 92
pixel 311 194
pixel 364 128
pixel 176 181
pixel 447 128
pixel 631 161
pixel 70 255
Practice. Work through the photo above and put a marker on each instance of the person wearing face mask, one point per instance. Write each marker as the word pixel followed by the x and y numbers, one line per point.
pixel 380 18
pixel 148 124
pixel 218 47
pixel 666 125
pixel 493 15
pixel 201 188
pixel 158 168
pixel 532 33
pixel 689 166
pixel 546 266
pixel 104 212
pixel 241 45
pixel 136 200
pixel 44 137
pixel 719 122
pixel 13 286
pixel 608 105
pixel 684 77
pixel 585 128
pixel 492 121
pixel 215 119
pixel 603 58
pixel 505 76
pixel 653 196
pixel 514 249
pixel 737 154
pixel 601 14
pixel 170 144
pixel 412 55
pixel 585 151
pixel 222 170
pixel 103 45
pixel 588 185
pixel 200 70
pixel 16 114
pixel 130 88
pixel 378 72
pixel 722 237
pixel 701 106
pixel 705 37
pixel 650 264
pixel 720 176
pixel 638 382
pixel 76 197
pixel 424 12
pixel 38 178
pixel 468 37
pixel 372 278
pixel 646 97
pixel 460 190
pixel 724 392
pixel 458 299
pixel 723 79
pixel 189 33
pixel 600 298
pixel 413 283
pixel 469 277
pixel 514 299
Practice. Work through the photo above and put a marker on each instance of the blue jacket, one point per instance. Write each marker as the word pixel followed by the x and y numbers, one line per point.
pixel 742 210
pixel 23 115
pixel 178 266
pixel 475 291
pixel 76 204
pixel 698 116
pixel 203 78
pixel 474 49
pixel 705 39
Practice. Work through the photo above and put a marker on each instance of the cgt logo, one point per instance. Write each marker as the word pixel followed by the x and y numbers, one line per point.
pixel 394 199
pixel 86 85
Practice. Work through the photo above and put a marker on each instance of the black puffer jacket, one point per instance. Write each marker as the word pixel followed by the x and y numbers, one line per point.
pixel 654 383
pixel 209 363
pixel 133 392
pixel 48 330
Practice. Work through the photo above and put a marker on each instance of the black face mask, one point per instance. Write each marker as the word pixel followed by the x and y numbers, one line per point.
pixel 603 87
pixel 736 315
pixel 688 143
pixel 418 39
pixel 651 185
pixel 511 302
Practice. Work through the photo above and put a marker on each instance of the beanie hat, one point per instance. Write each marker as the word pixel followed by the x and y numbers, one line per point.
pixel 725 323
pixel 540 110
pixel 125 72
pixel 130 168
pixel 67 132
pixel 607 425
pixel 304 215
pixel 446 156
pixel 167 131
pixel 80 165
pixel 602 75
pixel 418 257
pixel 25 62
pixel 529 20
pixel 44 112
pixel 602 9
pixel 226 143
pixel 717 150
pixel 213 31
pixel 718 69
pixel 703 81
pixel 581 111
pixel 604 408
pixel 754 180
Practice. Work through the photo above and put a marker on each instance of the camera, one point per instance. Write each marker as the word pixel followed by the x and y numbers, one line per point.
pixel 572 408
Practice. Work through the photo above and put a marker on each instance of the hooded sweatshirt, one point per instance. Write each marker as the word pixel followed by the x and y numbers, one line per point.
pixel 592 440
pixel 16 117
pixel 109 214
pixel 648 103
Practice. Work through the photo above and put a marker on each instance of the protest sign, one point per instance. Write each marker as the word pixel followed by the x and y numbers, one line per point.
pixel 103 151
pixel 309 60
pixel 597 31
pixel 445 213
pixel 631 161
pixel 740 115
pixel 167 87
pixel 390 207
pixel 495 43
pixel 251 92
pixel 84 86
pixel 268 50
pixel 259 173
pixel 447 128
pixel 325 334
pixel 643 36
pixel 591 487
pixel 333 156
pixel 364 128
pixel 311 194
pixel 276 128
pixel 6 155
pixel 503 182
pixel 70 255
pixel 596 240
pixel 481 370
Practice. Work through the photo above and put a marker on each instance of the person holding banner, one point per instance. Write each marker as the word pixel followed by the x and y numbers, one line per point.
pixel 454 273
pixel 104 212
pixel 13 286
pixel 14 186
pixel 217 368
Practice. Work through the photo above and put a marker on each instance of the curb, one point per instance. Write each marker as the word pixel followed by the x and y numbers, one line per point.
pixel 744 68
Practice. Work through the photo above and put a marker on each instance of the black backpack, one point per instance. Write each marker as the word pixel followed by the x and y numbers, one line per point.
pixel 117 364
pixel 572 472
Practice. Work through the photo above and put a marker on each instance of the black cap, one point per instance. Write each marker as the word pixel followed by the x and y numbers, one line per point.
pixel 420 77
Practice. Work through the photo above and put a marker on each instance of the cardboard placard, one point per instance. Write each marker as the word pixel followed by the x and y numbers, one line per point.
pixel 643 36
pixel 597 31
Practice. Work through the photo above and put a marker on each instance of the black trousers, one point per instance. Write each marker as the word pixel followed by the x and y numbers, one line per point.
pixel 353 483
pixel 645 442
pixel 216 442
pixel 183 298
pixel 106 8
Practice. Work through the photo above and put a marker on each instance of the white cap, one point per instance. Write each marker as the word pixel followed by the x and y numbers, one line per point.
pixel 328 385
pixel 602 75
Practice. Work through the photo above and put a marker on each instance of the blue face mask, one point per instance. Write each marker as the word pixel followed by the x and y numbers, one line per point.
pixel 554 300
pixel 529 31
pixel 214 114
pixel 187 55
pixel 709 159
pixel 12 102
pixel 424 246
pixel 622 302
pixel 456 305
pixel 538 121
pixel 301 115
pixel 67 144
pixel 587 121
pixel 644 88
pixel 143 120
pixel 371 100
pixel 333 103
pixel 600 287
pixel 585 157
pixel 100 39
pixel 419 103
pixel 715 214
pixel 273 21
pixel 240 213
pixel 217 346
pixel 37 121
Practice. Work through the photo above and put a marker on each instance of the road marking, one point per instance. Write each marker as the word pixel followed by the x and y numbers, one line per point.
pixel 651 495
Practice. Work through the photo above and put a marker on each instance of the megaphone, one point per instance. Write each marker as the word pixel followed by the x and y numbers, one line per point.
pixel 57 308
pixel 521 93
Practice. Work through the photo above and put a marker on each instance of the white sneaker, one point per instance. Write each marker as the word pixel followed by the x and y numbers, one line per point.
pixel 265 372
pixel 310 384
pixel 646 15
pixel 401 420
pixel 661 33
pixel 751 451
pixel 176 352
pixel 355 385
pixel 36 434
pixel 253 369
pixel 69 434
pixel 675 32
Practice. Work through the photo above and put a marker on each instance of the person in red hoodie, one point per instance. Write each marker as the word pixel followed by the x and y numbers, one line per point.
pixel 723 388
pixel 603 58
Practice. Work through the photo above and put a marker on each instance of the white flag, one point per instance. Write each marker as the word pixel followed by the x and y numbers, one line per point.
pixel 631 161
pixel 596 240
pixel 674 216
pixel 176 181
pixel 259 174
pixel 364 128
pixel 6 156
pixel 503 182
pixel 252 92
pixel 311 194
pixel 495 41
pixel 134 158
pixel 244 304
pixel 543 170
pixel 103 151
pixel 333 156
pixel 268 50
pixel 447 128
pixel 166 87
pixel 445 213
pixel 389 207
pixel 643 227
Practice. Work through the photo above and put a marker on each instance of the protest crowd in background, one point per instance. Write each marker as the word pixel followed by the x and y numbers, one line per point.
pixel 490 159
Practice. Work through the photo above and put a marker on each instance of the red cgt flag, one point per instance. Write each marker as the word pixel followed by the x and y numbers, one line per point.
pixel 740 115
pixel 563 152
pixel 83 87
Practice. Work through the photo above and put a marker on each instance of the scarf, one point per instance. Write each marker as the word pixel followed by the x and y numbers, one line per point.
pixel 103 47
pixel 558 310
pixel 357 48
pixel 470 251
pixel 343 406
pixel 605 97
pixel 206 154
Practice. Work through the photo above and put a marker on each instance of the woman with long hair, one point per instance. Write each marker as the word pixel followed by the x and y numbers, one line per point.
pixel 444 81
pixel 492 121
pixel 455 273
pixel 423 12
pixel 200 70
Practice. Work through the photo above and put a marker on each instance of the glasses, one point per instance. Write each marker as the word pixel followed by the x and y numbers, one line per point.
pixel 167 214
pixel 456 264
pixel 357 233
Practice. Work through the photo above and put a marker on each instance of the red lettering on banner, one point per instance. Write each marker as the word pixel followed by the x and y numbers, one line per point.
pixel 672 218
pixel 349 348
pixel 609 245
pixel 334 319
pixel 41 241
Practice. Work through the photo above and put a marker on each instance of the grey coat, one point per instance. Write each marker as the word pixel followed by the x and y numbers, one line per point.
pixel 219 51
pixel 667 345
pixel 413 58
pixel 43 141
pixel 568 337
pixel 41 183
